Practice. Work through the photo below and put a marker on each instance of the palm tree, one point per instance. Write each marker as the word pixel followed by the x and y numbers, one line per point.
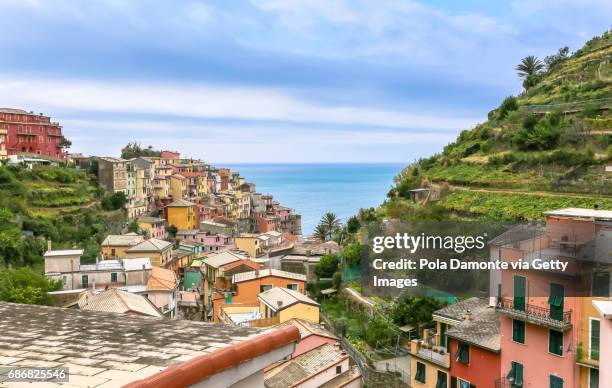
pixel 320 232
pixel 331 223
pixel 530 65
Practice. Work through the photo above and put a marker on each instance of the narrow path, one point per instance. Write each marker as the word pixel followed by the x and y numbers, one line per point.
pixel 518 191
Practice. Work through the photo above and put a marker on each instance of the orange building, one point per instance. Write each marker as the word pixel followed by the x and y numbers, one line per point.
pixel 248 285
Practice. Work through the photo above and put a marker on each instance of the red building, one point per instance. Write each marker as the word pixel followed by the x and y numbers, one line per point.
pixel 30 133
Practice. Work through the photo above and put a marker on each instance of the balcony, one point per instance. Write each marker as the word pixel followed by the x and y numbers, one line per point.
pixel 434 354
pixel 536 315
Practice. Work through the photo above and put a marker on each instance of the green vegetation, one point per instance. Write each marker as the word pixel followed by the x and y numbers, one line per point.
pixel 56 203
pixel 134 150
pixel 327 266
pixel 24 285
pixel 525 146
pixel 328 227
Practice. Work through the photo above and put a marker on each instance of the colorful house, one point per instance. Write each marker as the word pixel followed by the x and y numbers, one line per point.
pixel 544 320
pixel 248 285
pixel 159 251
pixel 601 342
pixel 153 227
pixel 182 214
pixel 284 304
pixel 178 187
pixel 114 246
pixel 162 290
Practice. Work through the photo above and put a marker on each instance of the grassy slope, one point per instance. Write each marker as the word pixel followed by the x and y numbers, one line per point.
pixel 492 169
pixel 49 202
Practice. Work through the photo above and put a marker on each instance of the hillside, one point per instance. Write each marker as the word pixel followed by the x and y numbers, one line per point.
pixel 57 203
pixel 553 140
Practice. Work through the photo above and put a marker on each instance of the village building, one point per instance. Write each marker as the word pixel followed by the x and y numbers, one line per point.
pixel 162 291
pixel 112 174
pixel 313 369
pixel 23 132
pixel 182 214
pixel 106 349
pixel 153 227
pixel 159 251
pixel 114 246
pixel 119 302
pixel 285 304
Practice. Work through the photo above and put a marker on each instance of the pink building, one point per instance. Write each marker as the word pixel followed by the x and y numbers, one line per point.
pixel 541 312
pixel 211 242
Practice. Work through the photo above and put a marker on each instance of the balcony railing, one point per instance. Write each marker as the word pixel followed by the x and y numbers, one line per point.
pixel 436 354
pixel 537 315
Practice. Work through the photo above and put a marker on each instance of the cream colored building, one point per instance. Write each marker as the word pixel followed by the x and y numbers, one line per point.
pixel 287 304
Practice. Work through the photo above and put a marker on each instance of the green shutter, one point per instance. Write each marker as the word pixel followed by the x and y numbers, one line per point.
pixel 442 334
pixel 555 342
pixel 519 292
pixel 518 331
pixel 420 372
pixel 453 382
pixel 556 382
pixel 515 376
pixel 463 353
pixel 594 335
pixel 113 277
pixel 555 300
pixel 441 382
pixel 84 281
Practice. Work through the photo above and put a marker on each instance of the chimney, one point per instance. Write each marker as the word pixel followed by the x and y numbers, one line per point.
pixel 468 315
pixel 143 275
pixel 279 303
pixel 49 244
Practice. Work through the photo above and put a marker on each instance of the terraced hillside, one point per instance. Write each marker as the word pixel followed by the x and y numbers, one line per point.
pixel 57 203
pixel 553 140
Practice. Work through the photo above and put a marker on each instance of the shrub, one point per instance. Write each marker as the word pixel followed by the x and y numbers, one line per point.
pixel 327 266
pixel 508 105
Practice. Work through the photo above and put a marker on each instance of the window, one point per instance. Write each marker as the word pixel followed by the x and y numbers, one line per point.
pixel 518 331
pixel 338 369
pixel 113 277
pixel 463 353
pixel 515 376
pixel 443 335
pixel 555 300
pixel 264 287
pixel 464 384
pixel 593 378
pixel 420 372
pixel 84 281
pixel 555 342
pixel 594 339
pixel 601 284
pixel 520 283
pixel 555 382
pixel 292 286
pixel 64 279
pixel 113 252
pixel 442 378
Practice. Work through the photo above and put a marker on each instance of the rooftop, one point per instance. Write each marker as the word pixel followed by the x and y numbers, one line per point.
pixel 103 265
pixel 117 301
pixel 122 240
pixel 110 350
pixel 162 280
pixel 478 324
pixel 180 203
pixel 279 298
pixel 136 263
pixel 64 252
pixel 150 245
pixel 151 220
pixel 304 366
pixel 244 276
pixel 220 259
pixel 581 213
pixel 307 328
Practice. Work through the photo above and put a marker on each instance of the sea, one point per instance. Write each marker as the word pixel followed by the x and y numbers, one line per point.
pixel 315 189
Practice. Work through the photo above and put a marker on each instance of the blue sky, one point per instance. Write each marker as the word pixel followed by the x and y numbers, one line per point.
pixel 277 80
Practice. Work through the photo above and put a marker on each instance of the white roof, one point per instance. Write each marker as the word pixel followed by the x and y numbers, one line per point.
pixel 604 307
pixel 150 245
pixel 104 265
pixel 136 263
pixel 117 301
pixel 279 298
pixel 581 213
pixel 244 276
pixel 65 252
pixel 274 233
pixel 122 240
pixel 220 259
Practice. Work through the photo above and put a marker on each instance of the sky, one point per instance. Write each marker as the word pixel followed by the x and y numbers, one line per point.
pixel 277 81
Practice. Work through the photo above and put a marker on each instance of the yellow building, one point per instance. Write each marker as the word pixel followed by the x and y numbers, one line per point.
pixel 587 350
pixel 182 215
pixel 153 227
pixel 178 186
pixel 249 243
pixel 159 251
pixel 287 304
pixel 114 246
